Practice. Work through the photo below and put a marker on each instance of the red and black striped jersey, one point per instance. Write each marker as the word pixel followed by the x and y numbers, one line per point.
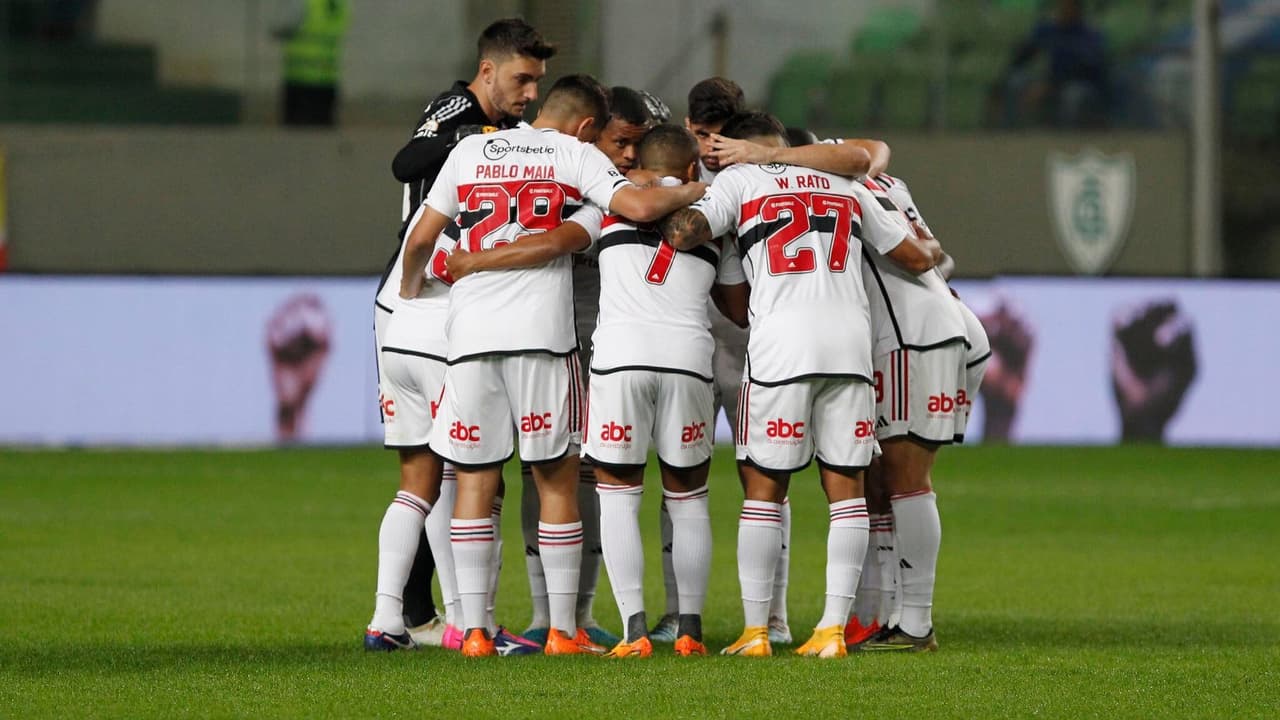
pixel 907 310
pixel 800 233
pixel 653 300
pixel 502 186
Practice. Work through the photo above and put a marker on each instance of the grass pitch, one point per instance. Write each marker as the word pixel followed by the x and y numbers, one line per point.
pixel 1116 582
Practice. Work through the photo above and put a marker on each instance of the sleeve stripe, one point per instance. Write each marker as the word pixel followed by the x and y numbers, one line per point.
pixel 452 105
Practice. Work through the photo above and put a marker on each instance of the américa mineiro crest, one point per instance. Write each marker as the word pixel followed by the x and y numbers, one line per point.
pixel 1091 198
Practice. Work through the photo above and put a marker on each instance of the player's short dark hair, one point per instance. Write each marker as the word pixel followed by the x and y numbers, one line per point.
pixel 753 124
pixel 581 96
pixel 667 147
pixel 715 100
pixel 658 109
pixel 629 106
pixel 797 136
pixel 512 36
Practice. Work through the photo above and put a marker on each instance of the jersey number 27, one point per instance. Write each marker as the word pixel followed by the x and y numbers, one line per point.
pixel 806 213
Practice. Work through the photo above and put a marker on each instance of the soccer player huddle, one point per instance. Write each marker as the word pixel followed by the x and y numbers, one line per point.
pixel 596 284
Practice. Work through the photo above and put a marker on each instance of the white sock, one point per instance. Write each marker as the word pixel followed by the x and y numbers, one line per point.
pixel 561 548
pixel 397 544
pixel 691 538
pixel 887 559
pixel 623 551
pixel 846 547
pixel 495 567
pixel 778 605
pixel 866 605
pixel 441 548
pixel 918 534
pixel 669 583
pixel 589 576
pixel 472 542
pixel 530 508
pixel 759 544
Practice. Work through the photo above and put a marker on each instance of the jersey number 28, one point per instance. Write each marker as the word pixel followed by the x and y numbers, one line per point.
pixel 538 209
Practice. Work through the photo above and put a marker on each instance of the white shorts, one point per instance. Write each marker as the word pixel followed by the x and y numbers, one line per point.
pixel 411 389
pixel 782 426
pixel 488 400
pixel 630 408
pixel 922 394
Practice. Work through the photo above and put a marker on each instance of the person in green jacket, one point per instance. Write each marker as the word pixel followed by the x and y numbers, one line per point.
pixel 312 39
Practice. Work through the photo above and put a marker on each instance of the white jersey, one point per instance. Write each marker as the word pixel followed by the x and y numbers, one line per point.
pixel 424 335
pixel 800 233
pixel 653 301
pixel 501 186
pixel 915 312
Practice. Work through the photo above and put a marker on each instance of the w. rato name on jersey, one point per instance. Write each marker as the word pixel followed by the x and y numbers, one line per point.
pixel 800 233
pixel 907 311
pixel 502 186
pixel 653 302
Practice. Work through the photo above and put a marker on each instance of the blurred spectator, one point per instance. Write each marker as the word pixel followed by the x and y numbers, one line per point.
pixel 312 33
pixel 1074 90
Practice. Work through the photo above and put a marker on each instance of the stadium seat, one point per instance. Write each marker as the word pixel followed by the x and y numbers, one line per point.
pixel 851 96
pixel 1255 99
pixel 798 89
pixel 80 64
pixel 970 79
pixel 1127 27
pixel 906 93
pixel 886 29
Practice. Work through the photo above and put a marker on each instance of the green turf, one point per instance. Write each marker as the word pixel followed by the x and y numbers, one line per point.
pixel 1117 583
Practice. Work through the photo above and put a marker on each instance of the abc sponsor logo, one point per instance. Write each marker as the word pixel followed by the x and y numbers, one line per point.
pixel 466 434
pixel 692 433
pixel 535 423
pixel 864 431
pixel 781 432
pixel 614 435
pixel 944 404
pixel 388 406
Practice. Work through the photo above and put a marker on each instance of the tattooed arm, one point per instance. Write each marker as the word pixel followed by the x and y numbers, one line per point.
pixel 685 228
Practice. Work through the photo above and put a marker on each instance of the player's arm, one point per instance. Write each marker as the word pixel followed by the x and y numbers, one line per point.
pixel 419 155
pixel 437 133
pixel 946 266
pixel 843 158
pixel 648 204
pixel 605 187
pixel 877 149
pixel 526 251
pixel 685 228
pixel 885 228
pixel 731 301
pixel 417 250
pixel 918 252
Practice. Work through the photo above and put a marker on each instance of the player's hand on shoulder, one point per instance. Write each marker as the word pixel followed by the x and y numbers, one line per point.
pixel 643 178
pixel 729 151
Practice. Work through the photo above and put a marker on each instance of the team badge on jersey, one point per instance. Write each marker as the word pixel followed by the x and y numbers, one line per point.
pixel 1091 199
